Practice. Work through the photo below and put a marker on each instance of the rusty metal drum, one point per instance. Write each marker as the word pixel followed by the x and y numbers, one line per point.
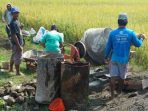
pixel 75 85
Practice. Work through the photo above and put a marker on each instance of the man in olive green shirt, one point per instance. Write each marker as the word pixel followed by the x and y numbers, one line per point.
pixel 52 41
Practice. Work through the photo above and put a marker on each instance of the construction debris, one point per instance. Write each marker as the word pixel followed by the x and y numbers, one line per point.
pixel 12 94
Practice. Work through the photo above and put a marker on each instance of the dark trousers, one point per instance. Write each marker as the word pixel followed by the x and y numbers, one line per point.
pixel 8 31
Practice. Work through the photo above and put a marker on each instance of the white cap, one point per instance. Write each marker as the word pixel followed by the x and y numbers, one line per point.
pixel 122 16
pixel 8 4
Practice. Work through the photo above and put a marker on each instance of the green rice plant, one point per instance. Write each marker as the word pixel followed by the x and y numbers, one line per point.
pixel 73 17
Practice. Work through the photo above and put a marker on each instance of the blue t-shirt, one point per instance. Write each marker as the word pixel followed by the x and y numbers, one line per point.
pixel 119 43
pixel 15 30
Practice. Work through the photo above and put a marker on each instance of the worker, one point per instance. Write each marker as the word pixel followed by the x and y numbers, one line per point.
pixel 6 18
pixel 16 40
pixel 118 45
pixel 52 41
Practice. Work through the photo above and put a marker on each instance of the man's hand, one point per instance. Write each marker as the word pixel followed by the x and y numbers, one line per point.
pixel 143 36
pixel 20 48
pixel 62 50
pixel 106 61
pixel 3 21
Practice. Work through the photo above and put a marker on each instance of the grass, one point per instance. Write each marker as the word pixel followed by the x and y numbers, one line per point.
pixel 73 17
pixel 5 56
pixel 5 76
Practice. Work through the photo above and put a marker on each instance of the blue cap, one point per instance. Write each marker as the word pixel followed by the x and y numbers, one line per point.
pixel 15 10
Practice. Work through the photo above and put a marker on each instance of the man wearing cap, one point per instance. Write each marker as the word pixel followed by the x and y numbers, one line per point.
pixel 118 45
pixel 52 41
pixel 17 41
pixel 7 17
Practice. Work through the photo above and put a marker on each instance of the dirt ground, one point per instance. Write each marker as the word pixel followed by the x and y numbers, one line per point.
pixel 135 99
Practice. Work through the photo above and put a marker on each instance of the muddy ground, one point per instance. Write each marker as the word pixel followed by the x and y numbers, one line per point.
pixel 135 99
pixel 131 99
pixel 128 100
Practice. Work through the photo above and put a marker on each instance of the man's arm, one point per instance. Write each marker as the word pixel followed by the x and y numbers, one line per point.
pixel 15 39
pixel 62 47
pixel 43 41
pixel 61 41
pixel 3 17
pixel 135 41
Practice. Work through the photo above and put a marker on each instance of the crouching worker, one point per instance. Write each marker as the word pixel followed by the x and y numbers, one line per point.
pixel 17 41
pixel 119 43
pixel 52 41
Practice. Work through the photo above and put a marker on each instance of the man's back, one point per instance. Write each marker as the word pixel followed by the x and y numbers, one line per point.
pixel 118 46
pixel 120 41
pixel 52 41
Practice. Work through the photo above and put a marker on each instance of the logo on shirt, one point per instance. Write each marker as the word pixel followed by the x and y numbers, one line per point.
pixel 121 32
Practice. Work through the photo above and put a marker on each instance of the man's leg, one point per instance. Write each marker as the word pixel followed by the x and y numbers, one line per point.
pixel 11 61
pixel 123 74
pixel 17 67
pixel 112 86
pixel 114 74
pixel 120 85
pixel 17 61
pixel 11 66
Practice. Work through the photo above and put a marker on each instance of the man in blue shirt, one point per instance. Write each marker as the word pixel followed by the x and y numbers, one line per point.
pixel 16 40
pixel 118 45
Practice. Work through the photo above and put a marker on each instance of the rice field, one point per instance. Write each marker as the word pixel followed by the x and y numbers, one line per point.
pixel 73 17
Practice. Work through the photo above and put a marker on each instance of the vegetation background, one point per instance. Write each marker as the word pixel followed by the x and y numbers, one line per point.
pixel 73 17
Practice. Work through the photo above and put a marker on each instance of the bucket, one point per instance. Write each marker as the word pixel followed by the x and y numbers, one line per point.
pixel 5 65
pixel 57 105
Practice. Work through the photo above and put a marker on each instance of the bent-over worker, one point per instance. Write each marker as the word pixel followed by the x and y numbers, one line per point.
pixel 52 41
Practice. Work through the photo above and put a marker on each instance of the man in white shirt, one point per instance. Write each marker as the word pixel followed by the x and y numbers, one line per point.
pixel 7 18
